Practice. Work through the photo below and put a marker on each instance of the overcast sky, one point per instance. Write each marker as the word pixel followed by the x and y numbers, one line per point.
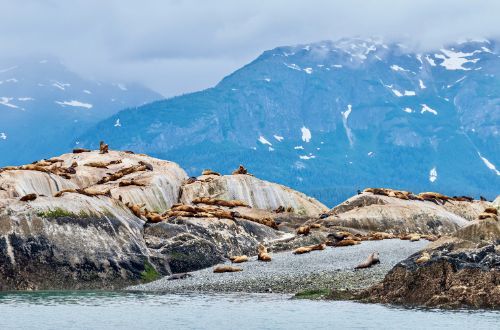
pixel 181 46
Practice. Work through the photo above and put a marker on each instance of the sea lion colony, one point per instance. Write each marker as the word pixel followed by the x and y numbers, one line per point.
pixel 206 207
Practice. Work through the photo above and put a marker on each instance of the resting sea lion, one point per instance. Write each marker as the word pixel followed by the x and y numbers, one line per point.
pixel 238 259
pixel 423 258
pixel 80 150
pixel 226 269
pixel 153 217
pixel 190 180
pixel 280 209
pixel 372 259
pixel 28 197
pixel 346 242
pixel 136 209
pixel 491 210
pixel 303 230
pixel 209 172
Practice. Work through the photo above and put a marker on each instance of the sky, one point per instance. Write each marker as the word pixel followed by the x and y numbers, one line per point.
pixel 180 46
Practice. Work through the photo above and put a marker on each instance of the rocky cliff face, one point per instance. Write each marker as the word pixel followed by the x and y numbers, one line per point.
pixel 462 270
pixel 370 212
pixel 65 222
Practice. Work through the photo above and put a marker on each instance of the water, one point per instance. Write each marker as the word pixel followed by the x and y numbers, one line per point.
pixel 123 310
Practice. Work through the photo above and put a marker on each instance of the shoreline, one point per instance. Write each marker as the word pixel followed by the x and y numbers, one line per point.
pixel 332 268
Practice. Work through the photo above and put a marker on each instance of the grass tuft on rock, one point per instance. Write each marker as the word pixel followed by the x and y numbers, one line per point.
pixel 313 294
pixel 150 273
pixel 61 213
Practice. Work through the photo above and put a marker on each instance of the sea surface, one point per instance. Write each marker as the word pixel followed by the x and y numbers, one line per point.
pixel 132 310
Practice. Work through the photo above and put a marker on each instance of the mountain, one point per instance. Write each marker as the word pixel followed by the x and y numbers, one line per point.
pixel 44 107
pixel 329 118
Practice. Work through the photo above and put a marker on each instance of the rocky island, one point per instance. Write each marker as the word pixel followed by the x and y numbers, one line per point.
pixel 104 219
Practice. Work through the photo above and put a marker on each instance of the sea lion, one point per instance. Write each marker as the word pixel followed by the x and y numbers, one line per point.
pixel 179 276
pixel 307 249
pixel 190 180
pixel 74 164
pixel 303 230
pixel 80 150
pixel 289 209
pixel 463 198
pixel 226 269
pixel 103 164
pixel 424 257
pixel 414 238
pixel 132 182
pixel 240 170
pixel 324 215
pixel 263 221
pixel 209 172
pixel 491 210
pixel 280 209
pixel 123 172
pixel 28 197
pixel 484 216
pixel 103 148
pixel 483 199
pixel 315 225
pixel 238 259
pixel 262 253
pixel 219 202
pixel 136 209
pixel 152 217
pixel 346 242
pixel 380 236
pixel 372 259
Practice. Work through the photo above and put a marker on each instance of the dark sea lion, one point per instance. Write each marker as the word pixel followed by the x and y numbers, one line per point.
pixel 179 276
pixel 103 148
pixel 28 197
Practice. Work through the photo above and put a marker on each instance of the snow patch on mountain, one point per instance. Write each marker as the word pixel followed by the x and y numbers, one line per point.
pixel 117 123
pixel 25 99
pixel 307 157
pixel 308 70
pixel 345 116
pixel 61 86
pixel 6 101
pixel 278 138
pixel 306 134
pixel 298 148
pixel 426 108
pixel 395 67
pixel 74 103
pixel 3 136
pixel 263 140
pixel 408 110
pixel 293 66
pixel 86 91
pixel 489 164
pixel 421 84
pixel 455 60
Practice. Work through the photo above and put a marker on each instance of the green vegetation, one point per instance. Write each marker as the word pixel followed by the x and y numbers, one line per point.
pixel 150 273
pixel 313 294
pixel 60 213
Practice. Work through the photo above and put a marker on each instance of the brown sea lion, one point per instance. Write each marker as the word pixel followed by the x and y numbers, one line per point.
pixel 315 225
pixel 262 253
pixel 240 170
pixel 190 180
pixel 346 242
pixel 484 216
pixel 424 257
pixel 123 172
pixel 219 202
pixel 28 197
pixel 303 230
pixel 372 259
pixel 226 269
pixel 135 208
pixel 103 148
pixel 152 217
pixel 307 249
pixel 238 259
pixel 209 172
pixel 132 182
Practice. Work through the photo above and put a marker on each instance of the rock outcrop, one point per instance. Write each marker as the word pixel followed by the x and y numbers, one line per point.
pixel 256 193
pixel 79 221
pixel 462 270
pixel 370 212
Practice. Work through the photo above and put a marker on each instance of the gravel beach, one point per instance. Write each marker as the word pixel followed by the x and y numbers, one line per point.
pixel 289 273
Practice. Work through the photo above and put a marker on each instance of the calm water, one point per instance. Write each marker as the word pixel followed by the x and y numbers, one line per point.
pixel 92 310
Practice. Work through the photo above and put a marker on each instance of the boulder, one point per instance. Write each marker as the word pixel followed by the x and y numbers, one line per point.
pixel 462 270
pixel 369 212
pixel 256 193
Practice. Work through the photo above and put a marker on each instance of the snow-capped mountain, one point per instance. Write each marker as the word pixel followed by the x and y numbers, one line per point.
pixel 44 107
pixel 332 117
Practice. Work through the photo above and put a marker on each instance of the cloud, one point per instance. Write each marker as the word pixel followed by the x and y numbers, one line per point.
pixel 179 46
